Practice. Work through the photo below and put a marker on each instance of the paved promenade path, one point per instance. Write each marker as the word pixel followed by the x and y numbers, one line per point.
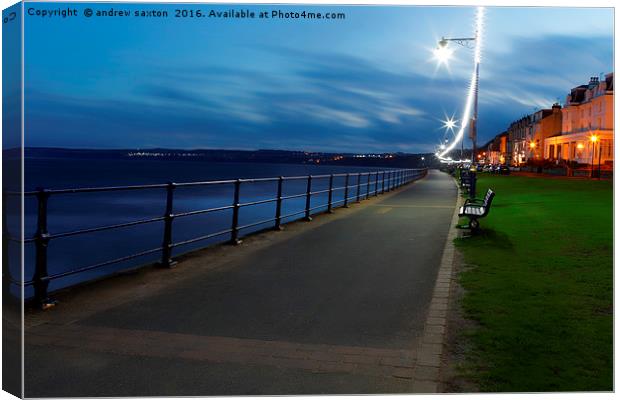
pixel 333 306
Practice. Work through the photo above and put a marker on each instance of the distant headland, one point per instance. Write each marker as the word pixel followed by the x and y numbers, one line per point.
pixel 400 160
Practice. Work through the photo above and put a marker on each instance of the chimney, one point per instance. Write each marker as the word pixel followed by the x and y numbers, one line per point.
pixel 593 82
pixel 556 107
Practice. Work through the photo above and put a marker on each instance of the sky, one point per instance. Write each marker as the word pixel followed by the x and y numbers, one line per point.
pixel 367 83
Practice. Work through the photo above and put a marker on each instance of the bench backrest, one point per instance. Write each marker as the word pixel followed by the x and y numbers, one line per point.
pixel 488 199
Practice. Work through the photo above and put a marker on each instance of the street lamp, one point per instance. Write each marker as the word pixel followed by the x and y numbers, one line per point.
pixel 533 149
pixel 442 54
pixel 594 139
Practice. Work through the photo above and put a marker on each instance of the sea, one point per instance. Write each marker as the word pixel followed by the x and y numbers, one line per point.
pixel 75 211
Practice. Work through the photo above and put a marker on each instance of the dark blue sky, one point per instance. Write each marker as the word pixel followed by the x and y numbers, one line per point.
pixel 367 83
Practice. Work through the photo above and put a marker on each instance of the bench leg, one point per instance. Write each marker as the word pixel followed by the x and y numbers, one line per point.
pixel 474 224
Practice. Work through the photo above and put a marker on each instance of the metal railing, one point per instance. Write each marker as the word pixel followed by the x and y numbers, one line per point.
pixel 375 183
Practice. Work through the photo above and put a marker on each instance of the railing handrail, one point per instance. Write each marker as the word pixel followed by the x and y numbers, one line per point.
pixel 194 183
pixel 390 179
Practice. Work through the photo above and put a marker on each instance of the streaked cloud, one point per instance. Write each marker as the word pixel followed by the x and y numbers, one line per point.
pixel 362 85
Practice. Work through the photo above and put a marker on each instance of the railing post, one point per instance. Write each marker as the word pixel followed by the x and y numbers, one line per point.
pixel 377 183
pixel 308 198
pixel 234 233
pixel 41 278
pixel 368 187
pixel 358 187
pixel 346 191
pixel 329 194
pixel 279 204
pixel 383 183
pixel 166 246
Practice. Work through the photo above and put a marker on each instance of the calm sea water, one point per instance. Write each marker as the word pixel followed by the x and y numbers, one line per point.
pixel 69 212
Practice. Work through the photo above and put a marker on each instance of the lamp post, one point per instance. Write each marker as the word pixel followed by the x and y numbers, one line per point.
pixel 443 53
pixel 600 144
pixel 470 111
pixel 594 139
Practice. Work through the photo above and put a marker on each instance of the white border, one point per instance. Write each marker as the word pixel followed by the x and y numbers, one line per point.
pixel 510 3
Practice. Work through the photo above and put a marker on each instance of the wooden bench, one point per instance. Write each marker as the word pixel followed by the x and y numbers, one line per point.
pixel 475 209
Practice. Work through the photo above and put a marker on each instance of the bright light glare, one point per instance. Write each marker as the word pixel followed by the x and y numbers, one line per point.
pixel 449 124
pixel 472 85
pixel 443 54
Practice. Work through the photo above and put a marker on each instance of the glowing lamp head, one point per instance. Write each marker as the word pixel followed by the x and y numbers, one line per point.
pixel 443 53
pixel 532 145
pixel 449 124
pixel 580 146
pixel 594 138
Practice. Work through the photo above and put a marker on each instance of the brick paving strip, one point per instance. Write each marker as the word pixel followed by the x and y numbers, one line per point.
pixel 317 358
pixel 426 378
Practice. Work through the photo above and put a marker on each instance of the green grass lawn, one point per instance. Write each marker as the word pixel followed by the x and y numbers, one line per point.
pixel 539 284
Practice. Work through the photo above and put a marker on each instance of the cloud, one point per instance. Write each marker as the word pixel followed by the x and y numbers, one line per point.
pixel 313 100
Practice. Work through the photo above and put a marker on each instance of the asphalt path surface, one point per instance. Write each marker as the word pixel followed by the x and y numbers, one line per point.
pixel 362 284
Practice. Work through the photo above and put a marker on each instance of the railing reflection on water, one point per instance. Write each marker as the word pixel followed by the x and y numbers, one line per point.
pixel 374 183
